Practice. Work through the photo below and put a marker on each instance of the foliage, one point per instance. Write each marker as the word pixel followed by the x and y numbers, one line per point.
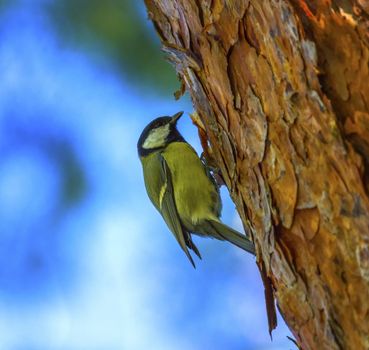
pixel 114 30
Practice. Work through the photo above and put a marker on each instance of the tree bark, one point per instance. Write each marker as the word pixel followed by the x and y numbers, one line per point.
pixel 282 88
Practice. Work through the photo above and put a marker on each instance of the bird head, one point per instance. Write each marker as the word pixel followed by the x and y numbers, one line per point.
pixel 158 134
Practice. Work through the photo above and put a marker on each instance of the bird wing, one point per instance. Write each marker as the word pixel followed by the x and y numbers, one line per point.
pixel 169 212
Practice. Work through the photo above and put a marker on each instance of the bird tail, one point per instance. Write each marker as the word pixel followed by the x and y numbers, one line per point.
pixel 224 232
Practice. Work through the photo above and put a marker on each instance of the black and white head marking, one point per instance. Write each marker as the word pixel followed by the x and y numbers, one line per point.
pixel 159 133
pixel 157 137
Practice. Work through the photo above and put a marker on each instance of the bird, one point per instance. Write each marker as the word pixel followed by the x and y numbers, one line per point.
pixel 182 188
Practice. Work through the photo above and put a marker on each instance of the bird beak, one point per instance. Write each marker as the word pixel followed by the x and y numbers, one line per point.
pixel 175 117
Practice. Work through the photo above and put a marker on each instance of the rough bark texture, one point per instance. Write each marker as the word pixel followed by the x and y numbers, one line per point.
pixel 282 88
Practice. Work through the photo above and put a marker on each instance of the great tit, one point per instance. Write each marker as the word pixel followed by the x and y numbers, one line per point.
pixel 181 187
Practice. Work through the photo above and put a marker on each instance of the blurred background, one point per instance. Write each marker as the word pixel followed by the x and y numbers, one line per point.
pixel 85 260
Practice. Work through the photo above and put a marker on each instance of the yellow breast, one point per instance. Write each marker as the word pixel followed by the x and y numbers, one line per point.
pixel 195 194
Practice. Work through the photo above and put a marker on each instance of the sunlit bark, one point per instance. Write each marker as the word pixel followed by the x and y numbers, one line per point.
pixel 282 88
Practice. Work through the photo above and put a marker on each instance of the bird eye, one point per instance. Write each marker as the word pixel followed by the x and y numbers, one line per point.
pixel 159 123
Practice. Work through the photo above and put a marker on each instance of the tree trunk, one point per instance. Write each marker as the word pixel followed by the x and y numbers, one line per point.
pixel 282 88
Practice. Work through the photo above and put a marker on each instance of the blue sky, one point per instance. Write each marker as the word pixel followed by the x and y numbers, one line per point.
pixel 85 261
